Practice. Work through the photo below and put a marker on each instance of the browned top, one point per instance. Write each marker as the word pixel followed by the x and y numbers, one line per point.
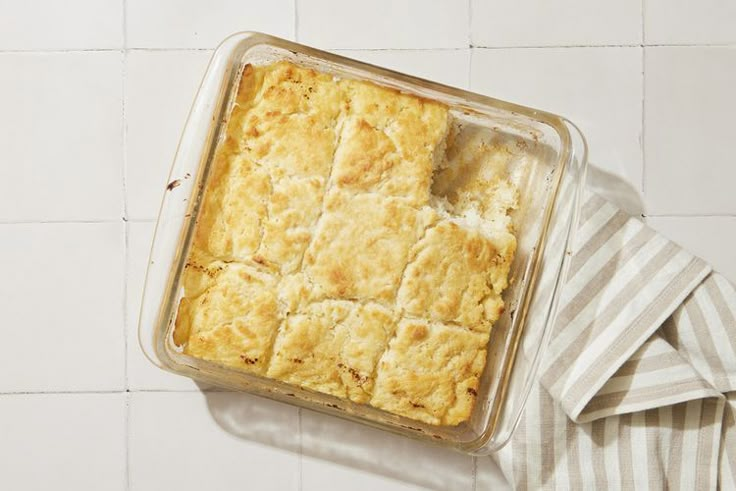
pixel 321 259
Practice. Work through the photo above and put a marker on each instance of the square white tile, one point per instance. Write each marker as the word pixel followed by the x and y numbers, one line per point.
pixel 447 66
pixel 688 130
pixel 160 89
pixel 321 475
pixel 61 145
pixel 712 238
pixel 598 89
pixel 337 451
pixel 197 24
pixel 53 25
pixel 179 441
pixel 499 23
pixel 383 24
pixel 142 374
pixel 61 303
pixel 688 22
pixel 62 441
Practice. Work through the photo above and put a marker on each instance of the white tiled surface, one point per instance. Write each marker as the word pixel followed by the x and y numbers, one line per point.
pixel 61 140
pixel 63 441
pixel 141 374
pixel 689 121
pixel 498 23
pixel 687 22
pixel 174 444
pixel 93 97
pixel 71 24
pixel 197 24
pixel 159 90
pixel 599 89
pixel 62 311
pixel 383 24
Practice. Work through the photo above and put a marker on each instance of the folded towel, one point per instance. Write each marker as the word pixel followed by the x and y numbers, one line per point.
pixel 637 387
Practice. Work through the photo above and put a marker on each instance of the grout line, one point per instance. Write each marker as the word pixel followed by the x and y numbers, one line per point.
pixel 643 123
pixel 127 441
pixel 342 48
pixel 60 392
pixel 296 20
pixel 126 227
pixel 170 49
pixel 692 215
pixel 560 46
pixel 470 68
pixel 642 146
pixel 126 270
pixel 470 23
pixel 124 126
pixel 59 51
pixel 94 50
pixel 75 222
pixel 643 22
pixel 141 220
pixel 59 222
pixel 625 45
pixel 125 24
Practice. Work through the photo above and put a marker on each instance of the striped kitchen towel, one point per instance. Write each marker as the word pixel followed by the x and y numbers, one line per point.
pixel 637 388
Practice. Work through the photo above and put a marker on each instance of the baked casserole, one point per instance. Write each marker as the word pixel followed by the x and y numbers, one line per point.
pixel 352 240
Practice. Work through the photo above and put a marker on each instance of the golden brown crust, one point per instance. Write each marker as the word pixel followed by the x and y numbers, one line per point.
pixel 230 223
pixel 368 329
pixel 233 319
pixel 430 372
pixel 450 277
pixel 333 347
pixel 415 125
pixel 307 348
pixel 383 228
pixel 369 161
pixel 388 143
pixel 293 209
pixel 290 127
pixel 321 259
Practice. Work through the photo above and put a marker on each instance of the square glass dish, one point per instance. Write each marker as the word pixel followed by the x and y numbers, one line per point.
pixel 545 156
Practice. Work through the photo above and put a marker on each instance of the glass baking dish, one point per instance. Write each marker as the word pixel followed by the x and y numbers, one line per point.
pixel 547 162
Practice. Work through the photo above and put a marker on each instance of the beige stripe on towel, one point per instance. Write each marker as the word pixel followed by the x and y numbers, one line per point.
pixel 637 387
